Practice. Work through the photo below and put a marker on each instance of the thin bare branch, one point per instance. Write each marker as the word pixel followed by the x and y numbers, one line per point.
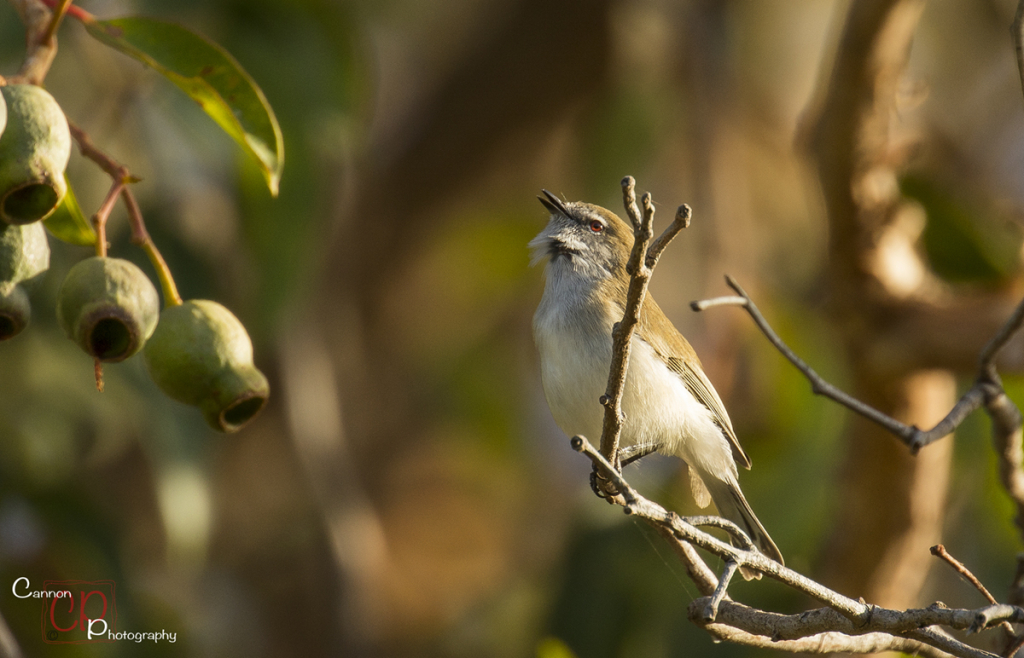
pixel 99 220
pixel 827 620
pixel 642 260
pixel 1006 440
pixel 723 524
pixel 843 616
pixel 993 614
pixel 915 438
pixel 711 609
pixel 940 551
pixel 640 266
pixel 696 568
pixel 818 383
pixel 629 202
pixel 827 643
pixel 623 331
pixel 705 304
pixel 1013 324
pixel 679 222
pixel 1014 647
pixel 636 505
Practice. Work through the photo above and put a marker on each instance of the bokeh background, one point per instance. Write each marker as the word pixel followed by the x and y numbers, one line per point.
pixel 406 492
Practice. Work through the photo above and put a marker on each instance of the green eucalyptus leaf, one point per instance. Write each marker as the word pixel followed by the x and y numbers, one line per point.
pixel 208 74
pixel 69 224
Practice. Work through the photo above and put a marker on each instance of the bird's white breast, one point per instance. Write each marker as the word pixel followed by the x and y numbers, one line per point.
pixel 575 346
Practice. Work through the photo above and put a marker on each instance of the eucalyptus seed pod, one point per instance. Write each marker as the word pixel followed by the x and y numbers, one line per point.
pixel 108 306
pixel 24 257
pixel 34 152
pixel 15 310
pixel 201 355
pixel 24 253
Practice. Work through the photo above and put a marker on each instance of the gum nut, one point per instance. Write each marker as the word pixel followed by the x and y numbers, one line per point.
pixel 15 311
pixel 201 355
pixel 34 152
pixel 235 398
pixel 108 306
pixel 24 253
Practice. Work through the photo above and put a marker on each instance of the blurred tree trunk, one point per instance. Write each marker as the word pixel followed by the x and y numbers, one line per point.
pixel 892 503
pixel 903 342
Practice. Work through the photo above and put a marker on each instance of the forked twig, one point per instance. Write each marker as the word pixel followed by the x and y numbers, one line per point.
pixel 940 552
pixel 122 178
pixel 985 390
pixel 642 259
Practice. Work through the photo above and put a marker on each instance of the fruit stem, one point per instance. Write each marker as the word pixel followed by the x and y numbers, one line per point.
pixel 73 11
pixel 140 236
pixel 99 220
pixel 58 14
pixel 98 371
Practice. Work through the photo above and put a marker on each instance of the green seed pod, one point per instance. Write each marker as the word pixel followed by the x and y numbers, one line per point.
pixel 15 311
pixel 201 355
pixel 34 152
pixel 108 306
pixel 24 257
pixel 24 252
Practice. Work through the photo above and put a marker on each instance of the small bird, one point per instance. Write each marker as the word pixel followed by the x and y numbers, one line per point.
pixel 670 405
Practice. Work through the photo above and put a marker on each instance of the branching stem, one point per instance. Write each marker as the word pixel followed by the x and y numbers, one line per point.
pixel 140 236
pixel 844 621
pixel 642 259
pixel 985 389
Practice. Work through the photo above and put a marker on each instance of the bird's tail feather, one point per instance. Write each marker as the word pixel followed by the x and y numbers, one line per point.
pixel 733 506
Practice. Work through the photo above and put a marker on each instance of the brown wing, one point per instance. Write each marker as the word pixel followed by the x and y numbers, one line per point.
pixel 669 344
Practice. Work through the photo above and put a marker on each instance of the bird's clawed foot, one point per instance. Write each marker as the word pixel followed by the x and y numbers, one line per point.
pixel 626 456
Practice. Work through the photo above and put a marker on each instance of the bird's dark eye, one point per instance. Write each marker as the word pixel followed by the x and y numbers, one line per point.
pixel 596 226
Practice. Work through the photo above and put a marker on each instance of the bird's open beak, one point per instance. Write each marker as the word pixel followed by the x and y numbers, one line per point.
pixel 553 203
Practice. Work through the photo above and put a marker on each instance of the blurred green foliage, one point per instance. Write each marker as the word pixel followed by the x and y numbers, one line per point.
pixel 963 241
